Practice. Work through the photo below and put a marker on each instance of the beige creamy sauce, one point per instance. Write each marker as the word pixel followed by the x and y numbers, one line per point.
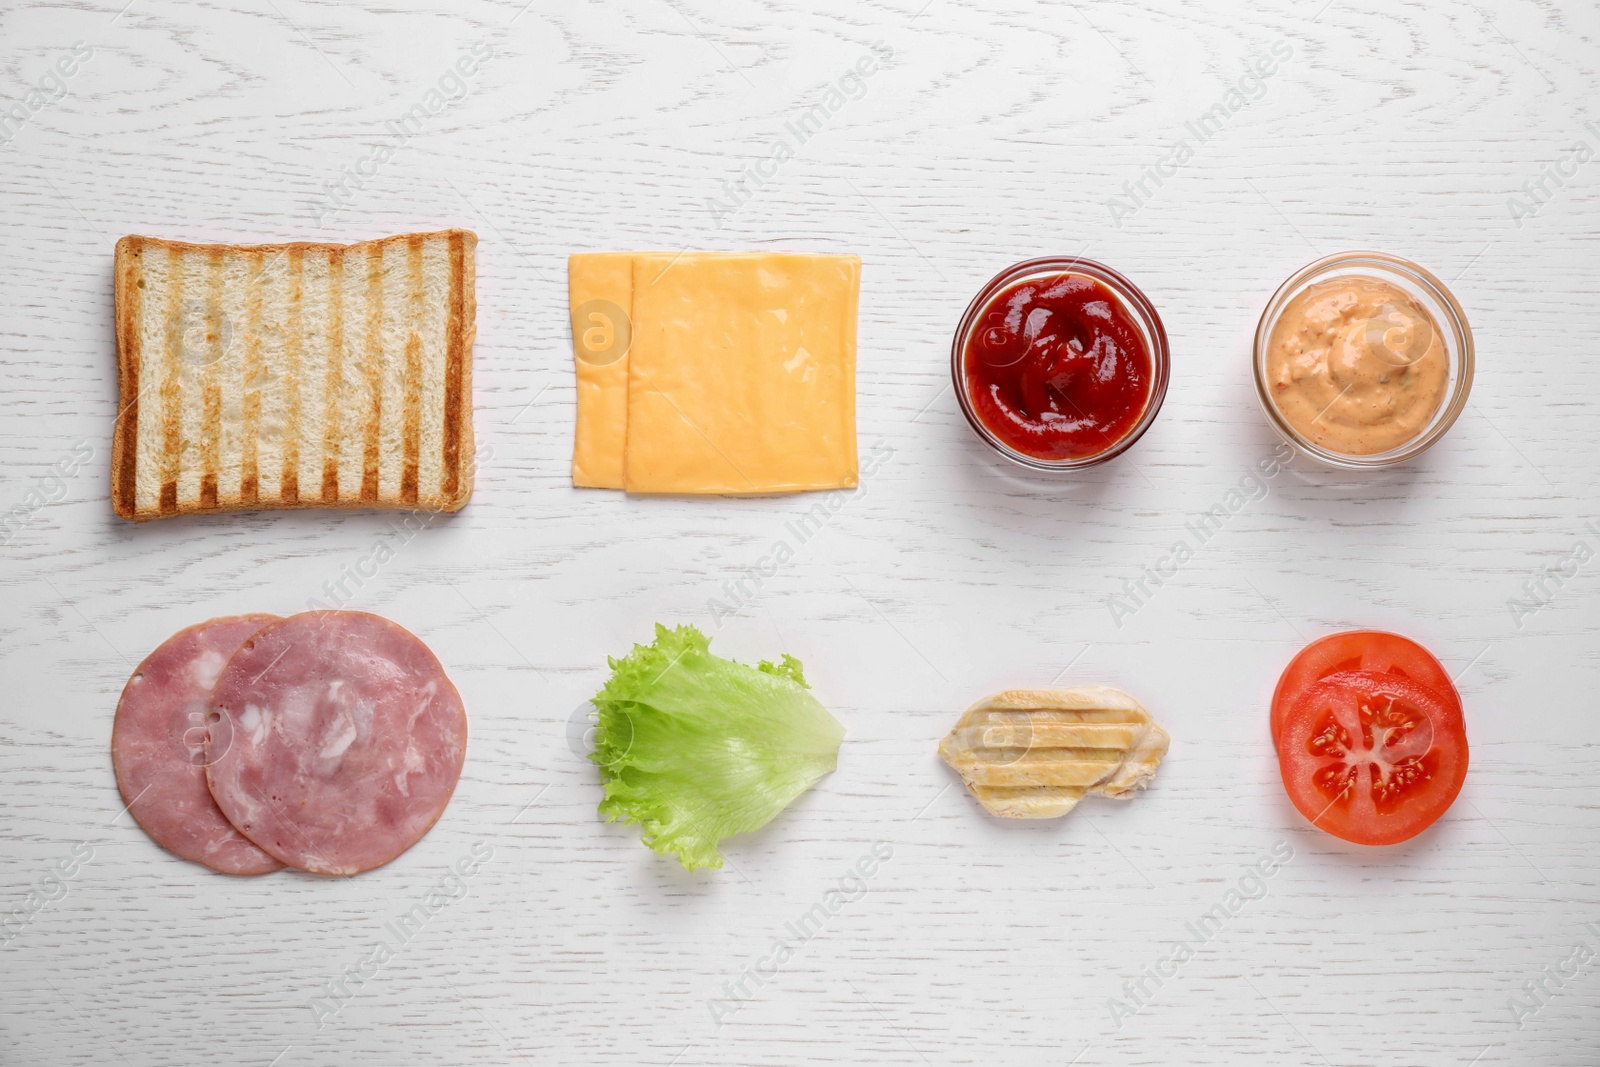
pixel 1357 366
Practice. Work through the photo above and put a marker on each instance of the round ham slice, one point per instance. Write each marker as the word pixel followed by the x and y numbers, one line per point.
pixel 335 741
pixel 158 747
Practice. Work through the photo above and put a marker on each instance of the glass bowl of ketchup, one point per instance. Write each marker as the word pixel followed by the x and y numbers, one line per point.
pixel 1060 364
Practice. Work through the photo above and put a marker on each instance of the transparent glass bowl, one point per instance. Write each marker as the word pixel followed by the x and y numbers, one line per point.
pixel 1423 287
pixel 1139 309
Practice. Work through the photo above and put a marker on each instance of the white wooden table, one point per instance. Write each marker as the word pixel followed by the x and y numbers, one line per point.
pixel 989 135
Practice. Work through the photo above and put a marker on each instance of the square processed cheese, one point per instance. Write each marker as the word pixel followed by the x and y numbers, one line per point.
pixel 741 373
pixel 600 298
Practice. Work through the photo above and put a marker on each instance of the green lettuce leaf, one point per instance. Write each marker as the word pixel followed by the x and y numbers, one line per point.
pixel 695 748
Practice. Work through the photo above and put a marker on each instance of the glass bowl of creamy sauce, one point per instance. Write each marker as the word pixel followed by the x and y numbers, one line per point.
pixel 1363 359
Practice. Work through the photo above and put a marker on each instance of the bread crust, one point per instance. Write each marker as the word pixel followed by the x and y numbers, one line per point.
pixel 458 346
pixel 132 305
pixel 126 427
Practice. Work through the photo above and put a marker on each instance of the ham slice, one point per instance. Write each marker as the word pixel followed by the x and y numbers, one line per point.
pixel 335 741
pixel 158 746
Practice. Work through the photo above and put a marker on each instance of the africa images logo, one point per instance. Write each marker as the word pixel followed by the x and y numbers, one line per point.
pixel 51 88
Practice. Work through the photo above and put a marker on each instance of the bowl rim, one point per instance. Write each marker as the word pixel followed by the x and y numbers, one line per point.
pixel 1150 324
pixel 1387 267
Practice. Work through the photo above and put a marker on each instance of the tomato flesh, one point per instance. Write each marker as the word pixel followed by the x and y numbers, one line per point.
pixel 1358 650
pixel 1372 758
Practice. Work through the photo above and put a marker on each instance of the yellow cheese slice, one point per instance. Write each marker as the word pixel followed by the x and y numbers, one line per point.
pixel 600 299
pixel 741 373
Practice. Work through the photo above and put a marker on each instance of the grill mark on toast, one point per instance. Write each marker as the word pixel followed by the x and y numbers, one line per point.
pixel 410 430
pixel 249 475
pixel 374 370
pixel 294 335
pixel 171 391
pixel 452 373
pixel 130 297
pixel 330 408
pixel 211 384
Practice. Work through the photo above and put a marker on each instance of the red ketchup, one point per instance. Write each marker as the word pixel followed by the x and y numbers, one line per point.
pixel 1056 367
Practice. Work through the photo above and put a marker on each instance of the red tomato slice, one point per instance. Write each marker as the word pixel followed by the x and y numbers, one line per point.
pixel 1358 650
pixel 1372 758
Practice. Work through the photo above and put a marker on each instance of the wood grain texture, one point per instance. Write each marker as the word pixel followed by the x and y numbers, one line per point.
pixel 992 132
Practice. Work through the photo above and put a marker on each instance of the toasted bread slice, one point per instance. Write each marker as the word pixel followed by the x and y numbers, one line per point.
pixel 294 376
